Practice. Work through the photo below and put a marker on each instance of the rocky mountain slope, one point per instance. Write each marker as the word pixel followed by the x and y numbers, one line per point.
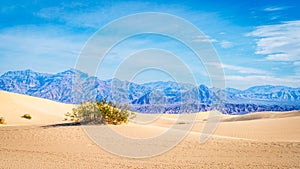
pixel 73 86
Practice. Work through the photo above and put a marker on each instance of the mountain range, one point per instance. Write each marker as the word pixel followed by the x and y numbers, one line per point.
pixel 74 86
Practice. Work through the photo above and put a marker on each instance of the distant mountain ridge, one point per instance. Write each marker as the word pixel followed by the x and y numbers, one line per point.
pixel 74 86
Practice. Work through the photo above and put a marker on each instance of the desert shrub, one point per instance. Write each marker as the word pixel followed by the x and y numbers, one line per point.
pixel 182 122
pixel 99 112
pixel 2 120
pixel 87 112
pixel 115 113
pixel 27 116
pixel 70 116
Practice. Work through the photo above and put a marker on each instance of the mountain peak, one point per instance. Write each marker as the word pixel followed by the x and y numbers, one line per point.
pixel 60 87
pixel 73 71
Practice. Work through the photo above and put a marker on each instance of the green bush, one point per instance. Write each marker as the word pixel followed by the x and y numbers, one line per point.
pixel 27 116
pixel 99 112
pixel 2 120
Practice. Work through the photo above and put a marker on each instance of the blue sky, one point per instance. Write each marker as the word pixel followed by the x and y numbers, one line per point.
pixel 258 42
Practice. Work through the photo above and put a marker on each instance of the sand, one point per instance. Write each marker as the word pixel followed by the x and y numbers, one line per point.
pixel 14 106
pixel 267 141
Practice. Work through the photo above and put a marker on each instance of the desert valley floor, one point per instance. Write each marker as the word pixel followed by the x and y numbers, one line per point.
pixel 259 140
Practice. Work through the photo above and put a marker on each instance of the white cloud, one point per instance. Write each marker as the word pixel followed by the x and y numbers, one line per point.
pixel 244 70
pixel 274 8
pixel 226 44
pixel 240 69
pixel 279 42
pixel 297 63
pixel 278 56
pixel 204 38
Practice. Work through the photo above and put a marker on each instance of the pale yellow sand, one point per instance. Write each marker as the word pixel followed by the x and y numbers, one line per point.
pixel 268 126
pixel 14 106
pixel 267 142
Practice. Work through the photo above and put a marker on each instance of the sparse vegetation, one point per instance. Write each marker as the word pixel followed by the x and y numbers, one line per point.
pixel 182 122
pixel 2 120
pixel 27 116
pixel 100 112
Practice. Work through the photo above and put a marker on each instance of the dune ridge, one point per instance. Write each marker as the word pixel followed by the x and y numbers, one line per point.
pixel 261 115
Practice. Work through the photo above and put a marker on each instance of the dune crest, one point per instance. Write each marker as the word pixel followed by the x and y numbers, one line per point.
pixel 261 115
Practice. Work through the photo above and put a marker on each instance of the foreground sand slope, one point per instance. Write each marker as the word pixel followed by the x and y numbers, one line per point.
pixel 43 111
pixel 69 147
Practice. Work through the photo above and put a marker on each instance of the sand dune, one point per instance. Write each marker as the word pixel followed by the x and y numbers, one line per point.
pixel 262 115
pixel 43 111
pixel 258 140
pixel 262 126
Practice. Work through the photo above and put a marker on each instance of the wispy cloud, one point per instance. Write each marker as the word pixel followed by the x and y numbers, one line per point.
pixel 280 42
pixel 240 69
pixel 275 8
pixel 226 44
pixel 244 82
pixel 244 70
pixel 297 63
pixel 204 38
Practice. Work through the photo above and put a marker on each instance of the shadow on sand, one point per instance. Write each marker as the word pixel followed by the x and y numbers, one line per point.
pixel 62 125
